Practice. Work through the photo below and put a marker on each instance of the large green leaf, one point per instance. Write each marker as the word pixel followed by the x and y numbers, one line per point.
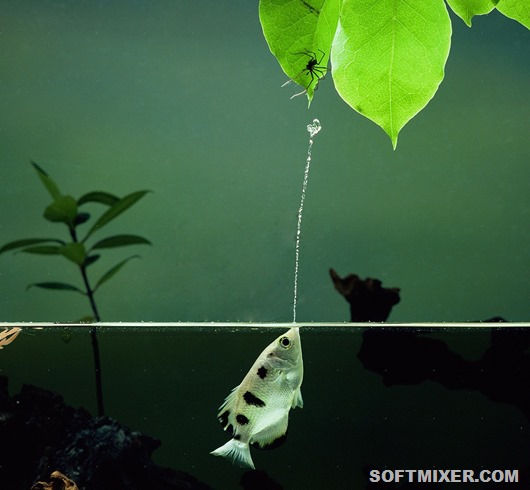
pixel 56 285
pixel 75 252
pixel 518 10
pixel 299 35
pixel 113 271
pixel 120 241
pixel 388 57
pixel 48 182
pixel 26 242
pixel 62 210
pixel 98 196
pixel 115 210
pixel 467 9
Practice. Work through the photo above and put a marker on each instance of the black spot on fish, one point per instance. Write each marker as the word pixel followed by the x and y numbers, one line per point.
pixel 253 399
pixel 230 429
pixel 241 419
pixel 223 418
pixel 262 372
pixel 237 437
pixel 272 445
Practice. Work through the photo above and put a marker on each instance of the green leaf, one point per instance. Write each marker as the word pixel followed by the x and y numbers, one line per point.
pixel 62 210
pixel 120 241
pixel 91 259
pixel 43 249
pixel 26 242
pixel 81 218
pixel 518 10
pixel 388 57
pixel 98 196
pixel 299 35
pixel 115 210
pixel 74 252
pixel 114 270
pixel 467 9
pixel 56 285
pixel 48 182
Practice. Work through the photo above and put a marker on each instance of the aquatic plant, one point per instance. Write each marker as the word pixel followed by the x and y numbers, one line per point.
pixel 388 57
pixel 65 209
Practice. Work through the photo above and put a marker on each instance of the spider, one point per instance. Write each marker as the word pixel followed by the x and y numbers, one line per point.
pixel 312 68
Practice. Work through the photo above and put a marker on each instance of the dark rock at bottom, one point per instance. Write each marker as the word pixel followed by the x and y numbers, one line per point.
pixel 40 434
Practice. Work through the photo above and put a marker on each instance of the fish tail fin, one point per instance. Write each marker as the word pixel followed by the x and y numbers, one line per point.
pixel 236 451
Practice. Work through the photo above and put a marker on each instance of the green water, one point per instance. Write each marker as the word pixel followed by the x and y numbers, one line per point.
pixel 184 98
pixel 168 381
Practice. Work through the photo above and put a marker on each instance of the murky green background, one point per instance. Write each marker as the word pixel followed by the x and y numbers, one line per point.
pixel 184 99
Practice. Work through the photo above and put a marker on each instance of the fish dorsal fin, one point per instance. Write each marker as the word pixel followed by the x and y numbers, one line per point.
pixel 272 433
pixel 229 401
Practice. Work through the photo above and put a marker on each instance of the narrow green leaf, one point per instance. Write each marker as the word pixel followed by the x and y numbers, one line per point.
pixel 56 285
pixel 81 218
pixel 43 249
pixel 91 259
pixel 518 10
pixel 98 196
pixel 114 270
pixel 299 35
pixel 62 210
pixel 48 182
pixel 388 57
pixel 115 210
pixel 26 242
pixel 120 241
pixel 467 9
pixel 75 252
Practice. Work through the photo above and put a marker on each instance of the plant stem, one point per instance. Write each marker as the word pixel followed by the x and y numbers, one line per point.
pixel 95 344
pixel 93 334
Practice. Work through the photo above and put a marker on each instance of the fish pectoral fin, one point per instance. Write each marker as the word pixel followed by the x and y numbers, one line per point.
pixel 297 399
pixel 273 435
pixel 237 452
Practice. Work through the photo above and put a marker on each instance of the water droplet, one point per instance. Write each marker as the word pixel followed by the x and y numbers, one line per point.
pixel 314 128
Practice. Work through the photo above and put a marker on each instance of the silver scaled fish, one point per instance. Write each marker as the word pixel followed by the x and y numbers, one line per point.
pixel 257 411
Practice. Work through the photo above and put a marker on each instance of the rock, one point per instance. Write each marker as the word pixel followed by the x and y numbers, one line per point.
pixel 39 434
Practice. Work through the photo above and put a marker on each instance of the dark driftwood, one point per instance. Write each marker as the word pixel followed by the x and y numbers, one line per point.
pixel 369 301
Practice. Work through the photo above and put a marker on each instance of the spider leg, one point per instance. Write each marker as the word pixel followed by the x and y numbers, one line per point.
pixel 296 95
pixel 308 53
pixel 312 79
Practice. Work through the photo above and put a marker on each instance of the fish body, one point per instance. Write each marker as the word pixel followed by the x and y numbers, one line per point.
pixel 257 411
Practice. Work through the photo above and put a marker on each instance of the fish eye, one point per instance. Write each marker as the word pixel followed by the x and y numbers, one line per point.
pixel 285 343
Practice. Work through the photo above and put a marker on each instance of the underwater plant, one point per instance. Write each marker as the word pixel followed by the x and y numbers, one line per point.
pixel 387 57
pixel 65 209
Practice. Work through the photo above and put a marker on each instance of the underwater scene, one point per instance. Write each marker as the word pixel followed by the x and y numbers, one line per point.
pixel 270 244
pixel 374 398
